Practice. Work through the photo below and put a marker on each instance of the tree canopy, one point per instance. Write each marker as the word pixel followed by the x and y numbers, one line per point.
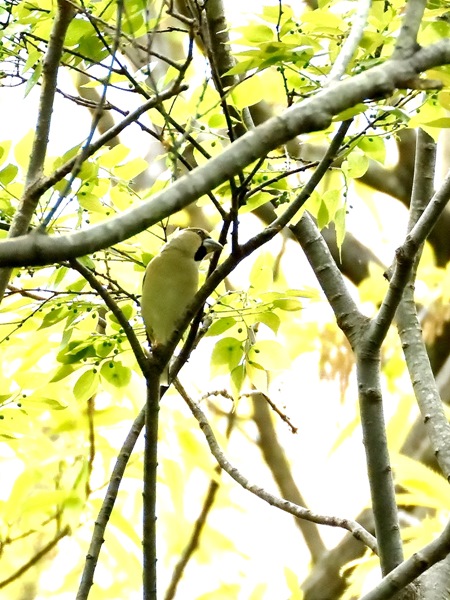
pixel 311 141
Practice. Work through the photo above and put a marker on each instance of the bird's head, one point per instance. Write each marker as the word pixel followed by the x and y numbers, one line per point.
pixel 193 242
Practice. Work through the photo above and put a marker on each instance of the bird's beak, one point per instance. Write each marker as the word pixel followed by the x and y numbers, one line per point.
pixel 211 245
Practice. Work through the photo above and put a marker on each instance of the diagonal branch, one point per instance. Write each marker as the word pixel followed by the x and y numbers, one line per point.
pixel 28 203
pixel 312 114
pixel 298 511
pixel 416 356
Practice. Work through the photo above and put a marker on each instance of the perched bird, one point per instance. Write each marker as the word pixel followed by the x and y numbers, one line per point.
pixel 171 282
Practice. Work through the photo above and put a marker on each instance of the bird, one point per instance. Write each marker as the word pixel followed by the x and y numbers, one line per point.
pixel 171 281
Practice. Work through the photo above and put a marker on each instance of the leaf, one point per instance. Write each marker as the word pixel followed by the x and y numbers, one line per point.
pixel 22 150
pixel 355 165
pixel 128 311
pixel 62 373
pixel 75 351
pixel 4 150
pixel 339 224
pixel 255 34
pixel 254 201
pixel 90 202
pixel 33 79
pixel 248 92
pixel 425 487
pixel 56 315
pixel 288 304
pixel 114 156
pixel 374 147
pixel 350 112
pixel 130 169
pixel 8 174
pixel 86 385
pixel 270 319
pixel 221 325
pixel 116 373
pixel 293 584
pixel 323 217
pixel 237 377
pixel 226 355
pixel 261 275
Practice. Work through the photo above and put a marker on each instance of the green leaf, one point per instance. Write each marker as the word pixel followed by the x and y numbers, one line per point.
pixel 226 355
pixel 254 201
pixel 255 34
pixel 104 347
pixel 55 315
pixel 33 79
pixel 248 92
pixel 323 217
pixel 237 377
pixel 270 319
pixel 261 275
pixel 339 223
pixel 90 202
pixel 332 199
pixel 350 113
pixel 288 304
pixel 8 174
pixel 374 147
pixel 221 325
pixel 75 351
pixel 355 165
pixel 4 150
pixel 62 373
pixel 130 169
pixel 22 150
pixel 442 123
pixel 115 373
pixel 295 592
pixel 86 385
pixel 127 310
pixel 114 156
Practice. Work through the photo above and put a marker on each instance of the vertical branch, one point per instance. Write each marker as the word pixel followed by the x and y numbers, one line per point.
pixel 407 40
pixel 65 13
pixel 351 43
pixel 381 483
pixel 28 202
pixel 408 324
pixel 365 341
pixel 149 493
pixel 83 154
pixel 101 522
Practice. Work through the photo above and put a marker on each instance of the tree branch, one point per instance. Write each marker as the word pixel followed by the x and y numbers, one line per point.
pixel 27 206
pixel 298 511
pixel 312 114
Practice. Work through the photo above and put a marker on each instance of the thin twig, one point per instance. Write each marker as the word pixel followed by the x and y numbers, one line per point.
pixel 298 511
pixel 36 558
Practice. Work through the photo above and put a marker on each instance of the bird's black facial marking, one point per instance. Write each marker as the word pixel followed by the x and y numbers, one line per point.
pixel 200 254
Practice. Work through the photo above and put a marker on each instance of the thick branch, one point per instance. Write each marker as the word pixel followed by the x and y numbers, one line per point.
pixel 412 568
pixel 312 114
